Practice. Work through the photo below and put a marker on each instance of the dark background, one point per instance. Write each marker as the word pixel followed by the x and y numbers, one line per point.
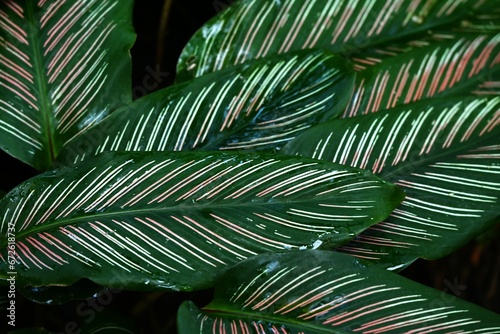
pixel 471 273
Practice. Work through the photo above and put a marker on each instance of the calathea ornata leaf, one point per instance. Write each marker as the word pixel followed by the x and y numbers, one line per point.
pixel 489 87
pixel 440 69
pixel 57 295
pixel 479 23
pixel 486 21
pixel 380 53
pixel 176 220
pixel 341 26
pixel 319 292
pixel 109 321
pixel 257 105
pixel 443 153
pixel 64 65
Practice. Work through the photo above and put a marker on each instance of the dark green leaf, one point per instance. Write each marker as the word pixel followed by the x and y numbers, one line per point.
pixel 440 69
pixel 478 24
pixel 253 29
pixel 176 220
pixel 443 153
pixel 109 322
pixel 31 330
pixel 63 67
pixel 258 105
pixel 489 87
pixel 327 292
pixel 57 295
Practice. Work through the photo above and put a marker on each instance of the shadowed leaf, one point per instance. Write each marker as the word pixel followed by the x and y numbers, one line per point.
pixel 254 29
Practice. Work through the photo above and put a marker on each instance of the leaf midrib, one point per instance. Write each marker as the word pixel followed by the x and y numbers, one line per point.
pixel 246 122
pixel 391 192
pixel 41 82
pixel 262 317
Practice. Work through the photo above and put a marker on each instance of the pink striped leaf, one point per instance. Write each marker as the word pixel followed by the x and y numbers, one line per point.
pixel 341 26
pixel 176 220
pixel 443 153
pixel 481 23
pixel 31 330
pixel 258 105
pixel 319 292
pixel 440 69
pixel 60 62
pixel 489 87
pixel 384 53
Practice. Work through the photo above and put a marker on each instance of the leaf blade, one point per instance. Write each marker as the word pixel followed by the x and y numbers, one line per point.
pixel 328 292
pixel 59 62
pixel 441 152
pixel 259 105
pixel 176 220
pixel 437 70
pixel 280 27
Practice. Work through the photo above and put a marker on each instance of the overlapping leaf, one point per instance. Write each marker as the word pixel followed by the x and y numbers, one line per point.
pixel 58 295
pixel 328 292
pixel 470 28
pixel 443 153
pixel 258 105
pixel 277 27
pixel 64 65
pixel 449 68
pixel 176 220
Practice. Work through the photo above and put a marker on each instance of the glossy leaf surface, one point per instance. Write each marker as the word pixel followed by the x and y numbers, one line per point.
pixel 441 69
pixel 258 105
pixel 328 292
pixel 480 23
pixel 108 321
pixel 253 29
pixel 443 153
pixel 60 295
pixel 31 330
pixel 176 220
pixel 489 87
pixel 64 66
